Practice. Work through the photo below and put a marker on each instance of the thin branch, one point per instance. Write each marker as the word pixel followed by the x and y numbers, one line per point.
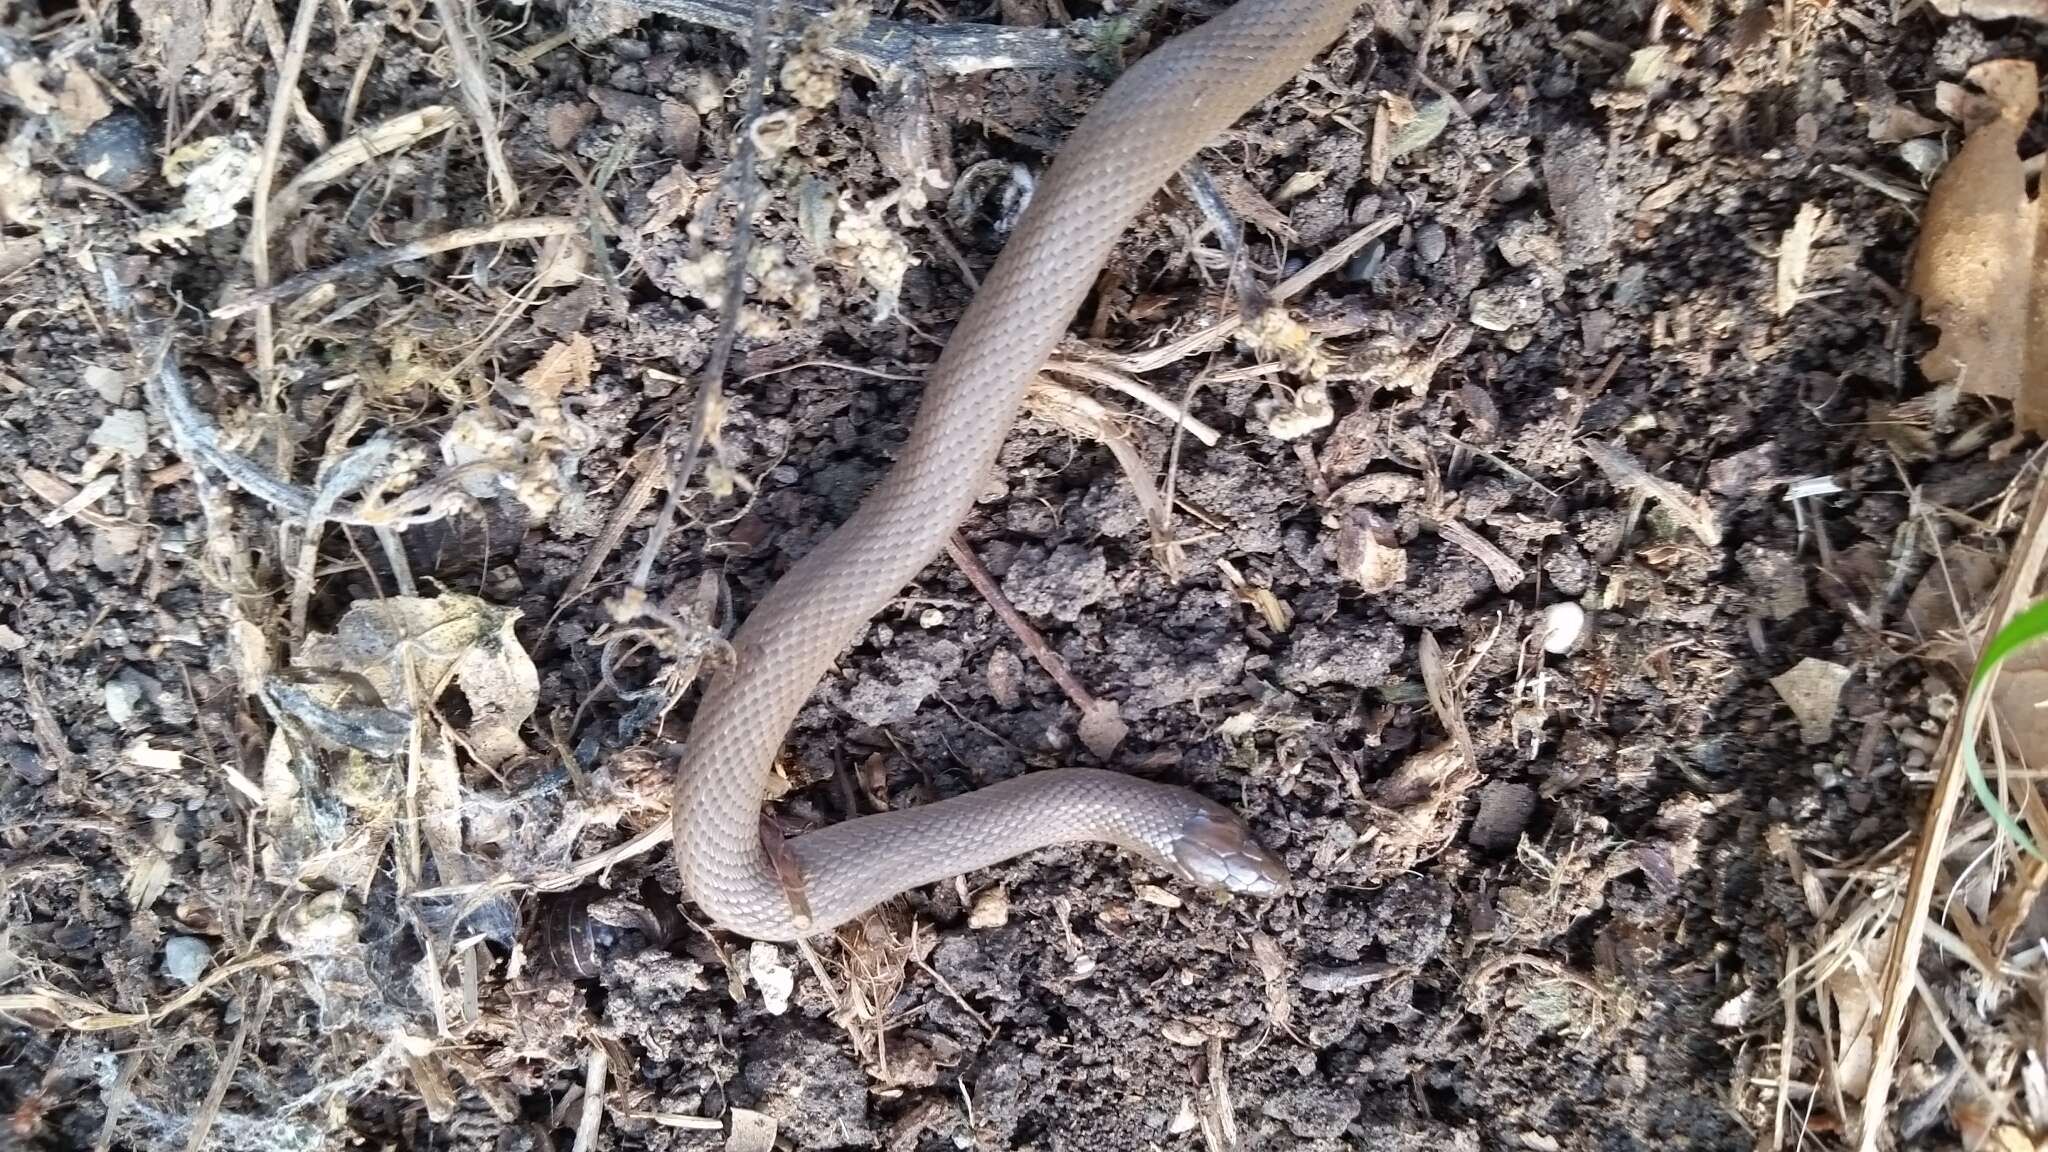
pixel 252 1021
pixel 985 583
pixel 745 186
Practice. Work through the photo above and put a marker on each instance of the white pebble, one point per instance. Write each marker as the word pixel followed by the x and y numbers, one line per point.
pixel 185 957
pixel 1563 623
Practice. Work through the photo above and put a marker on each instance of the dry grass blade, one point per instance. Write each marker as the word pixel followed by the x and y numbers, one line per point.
pixel 1214 336
pixel 1082 416
pixel 1136 390
pixel 1444 699
pixel 887 49
pixel 531 228
pixel 592 1116
pixel 252 1021
pixel 380 139
pixel 1626 473
pixel 43 1006
pixel 1910 934
pixel 475 86
pixel 259 218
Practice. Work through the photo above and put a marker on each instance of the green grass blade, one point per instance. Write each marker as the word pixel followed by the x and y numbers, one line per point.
pixel 2025 628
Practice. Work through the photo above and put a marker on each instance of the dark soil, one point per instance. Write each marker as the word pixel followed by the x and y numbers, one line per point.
pixel 1531 955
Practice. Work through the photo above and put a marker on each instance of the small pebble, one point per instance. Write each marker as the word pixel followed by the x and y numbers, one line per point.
pixel 115 151
pixel 1364 266
pixel 185 958
pixel 122 695
pixel 1430 243
pixel 26 762
pixel 1563 623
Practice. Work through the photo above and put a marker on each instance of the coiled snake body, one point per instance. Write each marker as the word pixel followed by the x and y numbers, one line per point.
pixel 1147 125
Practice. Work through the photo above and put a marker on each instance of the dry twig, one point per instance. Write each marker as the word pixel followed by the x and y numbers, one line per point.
pixel 531 228
pixel 475 87
pixel 1099 718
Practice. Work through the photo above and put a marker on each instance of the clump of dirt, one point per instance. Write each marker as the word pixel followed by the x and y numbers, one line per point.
pixel 377 520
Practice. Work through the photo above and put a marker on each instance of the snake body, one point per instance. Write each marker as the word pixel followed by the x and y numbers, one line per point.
pixel 1148 124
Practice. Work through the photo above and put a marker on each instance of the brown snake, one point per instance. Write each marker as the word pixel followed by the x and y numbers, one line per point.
pixel 1146 126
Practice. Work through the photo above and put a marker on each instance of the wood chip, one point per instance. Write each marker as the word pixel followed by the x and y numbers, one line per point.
pixel 1154 894
pixel 1367 554
pixel 751 1132
pixel 1507 575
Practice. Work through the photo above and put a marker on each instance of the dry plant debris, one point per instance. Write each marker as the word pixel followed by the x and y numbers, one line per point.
pixel 1979 272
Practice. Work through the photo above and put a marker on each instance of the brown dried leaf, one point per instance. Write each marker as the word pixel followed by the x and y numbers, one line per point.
pixel 1975 271
pixel 566 367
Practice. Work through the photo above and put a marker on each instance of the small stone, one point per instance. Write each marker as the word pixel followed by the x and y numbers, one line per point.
pixel 775 979
pixel 1775 580
pixel 105 383
pixel 1504 811
pixel 116 151
pixel 185 959
pixel 1563 623
pixel 122 696
pixel 1005 679
pixel 1506 306
pixel 26 762
pixel 124 431
pixel 991 909
pixel 1430 243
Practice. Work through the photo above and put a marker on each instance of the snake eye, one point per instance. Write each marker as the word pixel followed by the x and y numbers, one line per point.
pixel 1218 851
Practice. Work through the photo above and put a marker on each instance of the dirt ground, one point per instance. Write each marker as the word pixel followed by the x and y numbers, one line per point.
pixel 1544 903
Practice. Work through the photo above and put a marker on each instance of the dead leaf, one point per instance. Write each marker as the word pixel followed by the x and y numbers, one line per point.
pixel 1273 969
pixel 1794 251
pixel 81 104
pixel 2021 698
pixel 566 367
pixel 1249 204
pixel 1813 690
pixel 1978 254
pixel 442 640
pixel 1103 728
pixel 1896 123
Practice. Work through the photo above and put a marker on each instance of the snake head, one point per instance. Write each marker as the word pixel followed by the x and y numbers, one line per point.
pixel 1216 850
